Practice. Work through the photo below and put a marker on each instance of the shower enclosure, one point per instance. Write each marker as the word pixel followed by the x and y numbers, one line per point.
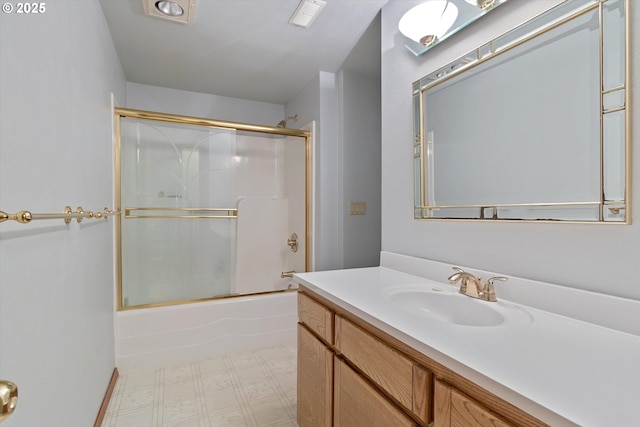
pixel 208 208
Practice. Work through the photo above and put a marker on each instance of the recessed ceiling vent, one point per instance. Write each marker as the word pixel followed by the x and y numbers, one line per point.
pixel 180 11
pixel 306 12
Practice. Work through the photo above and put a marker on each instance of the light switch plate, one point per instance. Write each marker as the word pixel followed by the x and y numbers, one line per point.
pixel 357 208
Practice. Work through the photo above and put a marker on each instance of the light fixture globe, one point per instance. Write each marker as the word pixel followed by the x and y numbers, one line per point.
pixel 482 4
pixel 169 8
pixel 427 22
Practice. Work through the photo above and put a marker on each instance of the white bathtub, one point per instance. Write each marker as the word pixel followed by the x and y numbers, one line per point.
pixel 163 336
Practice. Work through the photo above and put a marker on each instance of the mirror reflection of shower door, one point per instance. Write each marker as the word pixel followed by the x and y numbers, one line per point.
pixel 207 211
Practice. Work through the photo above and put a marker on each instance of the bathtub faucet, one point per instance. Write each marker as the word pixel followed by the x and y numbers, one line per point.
pixel 286 274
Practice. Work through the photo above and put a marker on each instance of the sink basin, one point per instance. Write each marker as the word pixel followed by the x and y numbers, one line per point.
pixel 447 305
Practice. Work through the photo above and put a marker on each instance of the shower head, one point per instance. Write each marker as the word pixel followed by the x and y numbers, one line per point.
pixel 283 123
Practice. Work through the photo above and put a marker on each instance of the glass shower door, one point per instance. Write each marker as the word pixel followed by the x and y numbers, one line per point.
pixel 178 195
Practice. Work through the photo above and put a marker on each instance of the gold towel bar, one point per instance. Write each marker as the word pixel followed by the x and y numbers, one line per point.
pixel 79 214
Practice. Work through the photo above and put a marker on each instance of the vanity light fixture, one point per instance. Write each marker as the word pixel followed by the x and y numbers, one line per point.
pixel 428 21
pixel 180 11
pixel 482 4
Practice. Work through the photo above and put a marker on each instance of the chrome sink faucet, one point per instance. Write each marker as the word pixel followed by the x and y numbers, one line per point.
pixel 471 285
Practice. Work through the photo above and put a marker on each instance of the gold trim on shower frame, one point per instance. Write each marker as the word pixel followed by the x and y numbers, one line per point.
pixel 225 213
pixel 422 210
pixel 120 113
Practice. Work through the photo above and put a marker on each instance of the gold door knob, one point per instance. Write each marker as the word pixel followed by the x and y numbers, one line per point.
pixel 8 399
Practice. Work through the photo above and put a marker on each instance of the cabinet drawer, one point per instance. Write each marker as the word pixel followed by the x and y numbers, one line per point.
pixel 316 317
pixel 407 382
pixel 453 408
pixel 358 404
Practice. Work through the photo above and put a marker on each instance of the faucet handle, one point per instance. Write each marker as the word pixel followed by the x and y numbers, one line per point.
pixel 493 279
pixel 488 289
pixel 455 276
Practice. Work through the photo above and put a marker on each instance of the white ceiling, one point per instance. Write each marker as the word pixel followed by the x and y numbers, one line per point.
pixel 243 48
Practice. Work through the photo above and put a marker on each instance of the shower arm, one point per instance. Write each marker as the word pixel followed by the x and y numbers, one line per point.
pixel 283 122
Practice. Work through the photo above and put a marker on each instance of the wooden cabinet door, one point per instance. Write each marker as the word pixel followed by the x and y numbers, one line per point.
pixel 358 404
pixel 315 381
pixel 454 409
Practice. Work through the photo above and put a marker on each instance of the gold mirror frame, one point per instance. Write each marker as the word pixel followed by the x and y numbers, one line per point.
pixel 607 211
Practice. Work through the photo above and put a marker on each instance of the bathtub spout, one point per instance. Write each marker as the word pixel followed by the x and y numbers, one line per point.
pixel 286 274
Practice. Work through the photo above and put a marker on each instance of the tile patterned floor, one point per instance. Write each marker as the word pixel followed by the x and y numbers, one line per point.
pixel 253 389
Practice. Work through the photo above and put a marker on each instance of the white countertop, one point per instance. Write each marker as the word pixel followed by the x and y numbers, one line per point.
pixel 561 370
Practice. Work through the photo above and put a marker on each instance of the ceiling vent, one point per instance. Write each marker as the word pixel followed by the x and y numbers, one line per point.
pixel 180 11
pixel 306 12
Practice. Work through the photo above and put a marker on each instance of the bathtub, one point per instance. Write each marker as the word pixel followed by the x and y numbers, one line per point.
pixel 163 336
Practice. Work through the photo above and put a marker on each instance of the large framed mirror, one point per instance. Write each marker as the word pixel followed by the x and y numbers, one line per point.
pixel 531 126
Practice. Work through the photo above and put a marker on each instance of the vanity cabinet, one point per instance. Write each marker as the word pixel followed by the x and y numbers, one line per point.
pixel 348 378
pixel 351 374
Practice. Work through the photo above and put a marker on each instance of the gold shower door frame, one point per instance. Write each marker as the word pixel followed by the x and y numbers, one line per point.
pixel 120 113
